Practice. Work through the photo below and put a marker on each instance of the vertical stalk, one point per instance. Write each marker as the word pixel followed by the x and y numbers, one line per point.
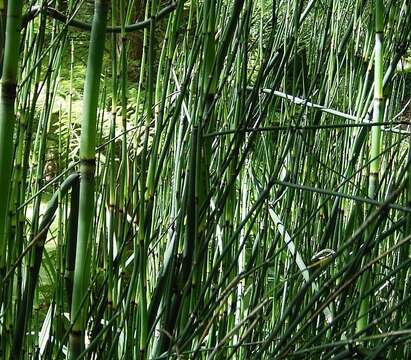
pixel 8 115
pixel 378 116
pixel 7 124
pixel 87 168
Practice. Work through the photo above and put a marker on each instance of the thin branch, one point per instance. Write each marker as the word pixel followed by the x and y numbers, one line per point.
pixel 80 25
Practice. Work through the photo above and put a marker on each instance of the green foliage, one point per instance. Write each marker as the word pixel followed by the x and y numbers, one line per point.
pixel 251 197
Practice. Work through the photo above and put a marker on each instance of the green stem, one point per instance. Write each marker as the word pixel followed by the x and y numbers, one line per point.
pixel 378 116
pixel 87 169
pixel 8 115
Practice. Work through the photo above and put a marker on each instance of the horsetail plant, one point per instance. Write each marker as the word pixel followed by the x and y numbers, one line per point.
pixel 236 188
pixel 8 117
pixel 87 169
pixel 378 116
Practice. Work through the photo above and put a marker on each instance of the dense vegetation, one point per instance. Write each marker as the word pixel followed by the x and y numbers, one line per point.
pixel 205 179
